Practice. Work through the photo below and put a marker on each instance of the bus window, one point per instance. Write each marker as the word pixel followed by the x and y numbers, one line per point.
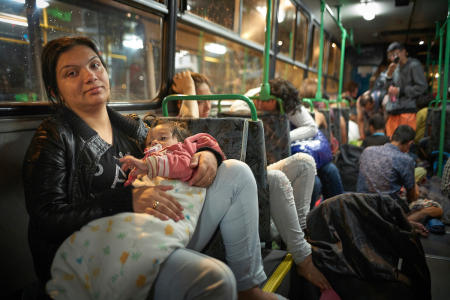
pixel 326 52
pixel 222 12
pixel 130 41
pixel 289 72
pixel 332 60
pixel 286 26
pixel 313 63
pixel 332 88
pixel 254 20
pixel 17 73
pixel 231 67
pixel 301 37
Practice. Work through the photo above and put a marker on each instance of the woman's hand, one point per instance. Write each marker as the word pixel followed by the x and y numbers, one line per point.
pixel 308 270
pixel 156 202
pixel 183 83
pixel 206 164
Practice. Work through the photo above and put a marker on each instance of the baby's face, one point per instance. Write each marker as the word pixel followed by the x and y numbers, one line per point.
pixel 161 134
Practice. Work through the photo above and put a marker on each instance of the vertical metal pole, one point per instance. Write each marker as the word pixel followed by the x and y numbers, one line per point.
pixel 441 45
pixel 341 67
pixel 444 95
pixel 265 88
pixel 319 75
pixel 168 49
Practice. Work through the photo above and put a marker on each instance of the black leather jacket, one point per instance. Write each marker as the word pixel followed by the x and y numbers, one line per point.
pixel 57 173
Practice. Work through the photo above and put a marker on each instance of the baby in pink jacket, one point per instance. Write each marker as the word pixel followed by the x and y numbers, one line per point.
pixel 166 155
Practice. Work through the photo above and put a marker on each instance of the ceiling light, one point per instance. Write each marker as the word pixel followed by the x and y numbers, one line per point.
pixel 39 3
pixel 421 42
pixel 367 10
pixel 215 48
pixel 333 45
pixel 132 41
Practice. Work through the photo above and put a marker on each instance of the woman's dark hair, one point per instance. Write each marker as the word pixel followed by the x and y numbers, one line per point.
pixel 179 128
pixel 49 59
pixel 403 134
pixel 286 91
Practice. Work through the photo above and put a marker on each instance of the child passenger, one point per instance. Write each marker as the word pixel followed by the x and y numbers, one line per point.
pixel 118 257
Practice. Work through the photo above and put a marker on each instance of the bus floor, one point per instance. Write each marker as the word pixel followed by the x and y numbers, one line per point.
pixel 437 253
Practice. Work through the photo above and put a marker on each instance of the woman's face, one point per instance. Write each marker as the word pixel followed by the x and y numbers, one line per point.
pixel 204 107
pixel 82 80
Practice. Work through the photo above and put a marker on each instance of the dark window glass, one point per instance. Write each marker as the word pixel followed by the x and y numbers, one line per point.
pixel 222 12
pixel 231 67
pixel 254 20
pixel 130 44
pixel 315 50
pixel 301 37
pixel 290 72
pixel 286 27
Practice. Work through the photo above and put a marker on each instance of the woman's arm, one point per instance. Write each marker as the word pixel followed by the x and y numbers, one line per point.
pixel 56 204
pixel 184 84
pixel 306 127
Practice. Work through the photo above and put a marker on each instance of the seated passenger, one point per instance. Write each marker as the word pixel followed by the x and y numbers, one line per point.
pixel 377 136
pixel 290 185
pixel 69 181
pixel 152 239
pixel 386 169
pixel 365 106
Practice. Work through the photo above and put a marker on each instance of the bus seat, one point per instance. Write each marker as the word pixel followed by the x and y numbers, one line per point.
pixel 230 133
pixel 276 134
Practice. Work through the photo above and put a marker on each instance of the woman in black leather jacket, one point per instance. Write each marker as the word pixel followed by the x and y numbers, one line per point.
pixel 72 176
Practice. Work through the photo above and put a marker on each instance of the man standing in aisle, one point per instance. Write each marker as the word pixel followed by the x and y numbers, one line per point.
pixel 405 82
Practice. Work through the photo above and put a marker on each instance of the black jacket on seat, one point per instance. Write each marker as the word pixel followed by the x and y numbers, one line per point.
pixel 366 248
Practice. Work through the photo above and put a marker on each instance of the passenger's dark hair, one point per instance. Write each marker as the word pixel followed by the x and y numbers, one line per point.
pixel 377 121
pixel 366 98
pixel 49 59
pixel 199 79
pixel 403 134
pixel 286 91
pixel 179 128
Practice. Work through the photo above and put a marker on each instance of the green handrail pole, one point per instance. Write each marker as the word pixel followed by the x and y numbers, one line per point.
pixel 319 76
pixel 265 87
pixel 341 67
pixel 441 45
pixel 444 95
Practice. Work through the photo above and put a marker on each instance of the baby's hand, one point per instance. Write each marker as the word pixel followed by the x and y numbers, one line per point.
pixel 138 167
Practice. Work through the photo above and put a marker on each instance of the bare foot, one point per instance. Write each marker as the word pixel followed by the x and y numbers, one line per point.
pixel 419 228
pixel 308 270
pixel 256 294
